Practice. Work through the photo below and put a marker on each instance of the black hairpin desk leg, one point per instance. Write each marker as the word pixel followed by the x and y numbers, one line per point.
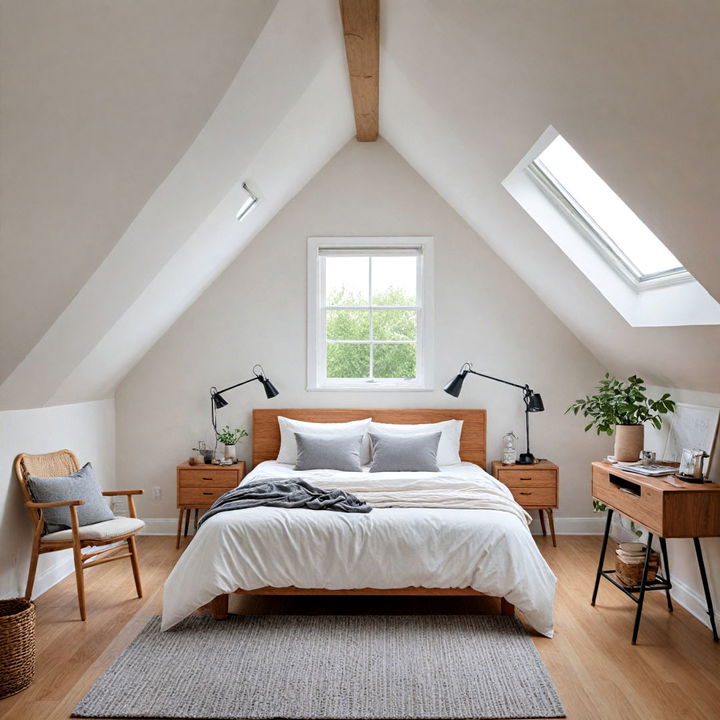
pixel 643 583
pixel 602 555
pixel 706 587
pixel 666 565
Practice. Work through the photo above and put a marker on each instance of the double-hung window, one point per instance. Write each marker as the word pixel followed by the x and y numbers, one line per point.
pixel 369 313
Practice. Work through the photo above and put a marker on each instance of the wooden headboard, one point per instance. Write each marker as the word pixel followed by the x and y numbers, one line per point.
pixel 266 432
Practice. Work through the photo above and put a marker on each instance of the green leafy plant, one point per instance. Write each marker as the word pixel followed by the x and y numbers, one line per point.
pixel 619 402
pixel 229 437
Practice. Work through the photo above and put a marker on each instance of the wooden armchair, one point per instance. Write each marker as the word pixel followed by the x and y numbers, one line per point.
pixel 61 464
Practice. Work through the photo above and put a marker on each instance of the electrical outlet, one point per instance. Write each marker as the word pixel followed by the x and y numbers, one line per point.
pixel 156 493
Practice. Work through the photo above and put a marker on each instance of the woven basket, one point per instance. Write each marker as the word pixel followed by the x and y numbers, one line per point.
pixel 17 645
pixel 630 574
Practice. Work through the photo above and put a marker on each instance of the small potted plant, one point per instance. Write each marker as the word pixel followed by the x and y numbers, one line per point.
pixel 621 407
pixel 229 438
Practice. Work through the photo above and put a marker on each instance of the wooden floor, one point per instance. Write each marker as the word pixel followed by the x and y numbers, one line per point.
pixel 674 671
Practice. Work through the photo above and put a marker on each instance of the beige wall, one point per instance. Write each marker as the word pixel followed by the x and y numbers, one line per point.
pixel 256 312
pixel 88 429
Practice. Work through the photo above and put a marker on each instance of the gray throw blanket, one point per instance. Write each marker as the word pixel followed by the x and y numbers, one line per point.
pixel 286 494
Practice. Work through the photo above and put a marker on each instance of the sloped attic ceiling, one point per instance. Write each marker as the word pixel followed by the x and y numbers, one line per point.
pixel 99 100
pixel 466 88
pixel 285 113
pixel 630 85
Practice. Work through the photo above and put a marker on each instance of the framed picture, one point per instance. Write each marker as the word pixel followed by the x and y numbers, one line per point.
pixel 691 427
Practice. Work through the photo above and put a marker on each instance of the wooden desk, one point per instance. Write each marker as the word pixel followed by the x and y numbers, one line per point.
pixel 535 487
pixel 199 486
pixel 690 511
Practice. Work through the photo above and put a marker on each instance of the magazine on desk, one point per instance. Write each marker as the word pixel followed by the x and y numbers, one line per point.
pixel 650 470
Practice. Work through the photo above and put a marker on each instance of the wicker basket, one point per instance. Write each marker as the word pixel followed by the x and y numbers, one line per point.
pixel 17 645
pixel 630 573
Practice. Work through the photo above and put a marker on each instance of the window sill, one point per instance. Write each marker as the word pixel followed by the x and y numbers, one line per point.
pixel 370 388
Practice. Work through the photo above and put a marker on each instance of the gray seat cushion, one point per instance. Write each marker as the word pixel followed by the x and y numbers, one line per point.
pixel 81 485
pixel 405 453
pixel 337 452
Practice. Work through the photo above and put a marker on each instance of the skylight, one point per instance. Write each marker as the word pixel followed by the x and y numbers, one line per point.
pixel 615 229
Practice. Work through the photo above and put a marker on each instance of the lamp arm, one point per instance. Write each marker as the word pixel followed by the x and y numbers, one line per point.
pixel 232 387
pixel 490 377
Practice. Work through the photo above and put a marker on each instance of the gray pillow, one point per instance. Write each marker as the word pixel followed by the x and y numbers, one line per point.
pixel 81 485
pixel 405 453
pixel 317 452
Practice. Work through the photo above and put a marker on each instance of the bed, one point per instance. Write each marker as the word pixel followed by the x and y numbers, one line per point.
pixel 479 546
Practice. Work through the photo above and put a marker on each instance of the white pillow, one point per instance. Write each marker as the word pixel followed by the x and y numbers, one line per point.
pixel 448 452
pixel 288 428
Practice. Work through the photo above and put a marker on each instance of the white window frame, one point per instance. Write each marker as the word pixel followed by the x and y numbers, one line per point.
pixel 592 231
pixel 316 337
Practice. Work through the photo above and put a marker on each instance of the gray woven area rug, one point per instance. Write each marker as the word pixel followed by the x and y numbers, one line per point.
pixel 320 666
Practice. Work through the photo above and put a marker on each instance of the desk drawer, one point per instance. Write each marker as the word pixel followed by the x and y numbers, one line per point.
pixel 638 502
pixel 527 478
pixel 204 476
pixel 200 496
pixel 529 496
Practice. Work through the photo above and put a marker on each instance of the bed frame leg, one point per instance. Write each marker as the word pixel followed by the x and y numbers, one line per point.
pixel 506 608
pixel 219 607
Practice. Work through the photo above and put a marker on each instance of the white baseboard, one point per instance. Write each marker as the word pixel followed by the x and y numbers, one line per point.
pixel 59 570
pixel 692 601
pixel 571 526
pixel 162 526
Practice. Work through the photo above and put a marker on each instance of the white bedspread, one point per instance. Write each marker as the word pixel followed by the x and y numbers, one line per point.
pixel 452 529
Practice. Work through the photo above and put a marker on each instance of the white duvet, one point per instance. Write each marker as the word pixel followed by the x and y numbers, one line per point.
pixel 456 528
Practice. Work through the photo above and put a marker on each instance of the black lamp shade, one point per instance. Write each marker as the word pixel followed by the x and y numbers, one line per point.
pixel 219 401
pixel 535 403
pixel 270 390
pixel 455 385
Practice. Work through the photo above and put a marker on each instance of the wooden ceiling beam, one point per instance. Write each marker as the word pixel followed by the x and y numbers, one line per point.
pixel 361 27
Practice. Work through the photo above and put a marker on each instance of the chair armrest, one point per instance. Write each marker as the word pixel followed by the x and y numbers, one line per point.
pixel 60 503
pixel 112 493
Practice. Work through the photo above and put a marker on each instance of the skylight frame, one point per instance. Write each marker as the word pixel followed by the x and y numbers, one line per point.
pixel 591 230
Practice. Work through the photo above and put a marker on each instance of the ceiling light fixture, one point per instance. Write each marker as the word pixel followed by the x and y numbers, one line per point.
pixel 249 204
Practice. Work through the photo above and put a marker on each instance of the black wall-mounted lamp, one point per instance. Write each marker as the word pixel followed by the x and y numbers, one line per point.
pixel 533 402
pixel 217 401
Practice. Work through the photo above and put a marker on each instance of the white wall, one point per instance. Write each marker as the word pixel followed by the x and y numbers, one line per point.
pixel 256 312
pixel 88 429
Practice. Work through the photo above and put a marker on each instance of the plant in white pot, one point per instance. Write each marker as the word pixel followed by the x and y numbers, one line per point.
pixel 621 407
pixel 229 438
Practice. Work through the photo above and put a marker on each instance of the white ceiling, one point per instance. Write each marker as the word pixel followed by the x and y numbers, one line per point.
pixel 115 135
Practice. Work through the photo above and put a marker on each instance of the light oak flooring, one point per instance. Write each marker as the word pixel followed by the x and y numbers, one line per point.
pixel 674 671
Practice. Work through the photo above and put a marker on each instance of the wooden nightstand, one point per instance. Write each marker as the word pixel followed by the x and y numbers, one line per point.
pixel 535 487
pixel 199 486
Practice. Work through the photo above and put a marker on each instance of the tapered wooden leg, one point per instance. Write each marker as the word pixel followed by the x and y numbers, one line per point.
pixel 219 607
pixel 542 521
pixel 132 546
pixel 177 541
pixel 79 577
pixel 33 560
pixel 187 522
pixel 197 512
pixel 551 520
pixel 506 608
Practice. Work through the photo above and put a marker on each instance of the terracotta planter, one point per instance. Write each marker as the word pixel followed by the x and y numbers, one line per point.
pixel 629 440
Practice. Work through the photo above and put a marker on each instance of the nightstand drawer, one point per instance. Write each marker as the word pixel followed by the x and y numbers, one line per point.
pixel 204 476
pixel 527 478
pixel 529 496
pixel 200 496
